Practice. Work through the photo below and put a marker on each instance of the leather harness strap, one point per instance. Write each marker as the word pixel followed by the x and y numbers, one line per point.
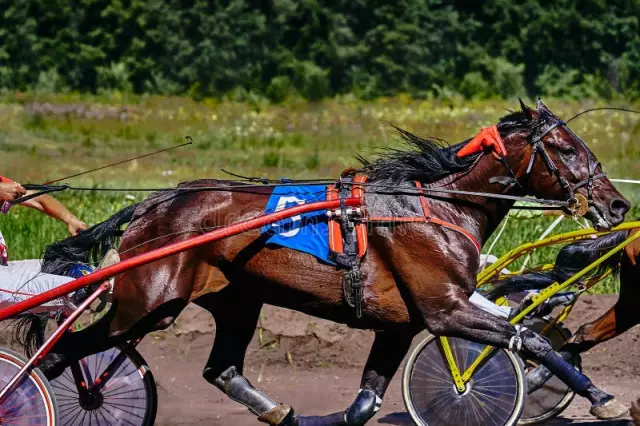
pixel 427 218
pixel 348 233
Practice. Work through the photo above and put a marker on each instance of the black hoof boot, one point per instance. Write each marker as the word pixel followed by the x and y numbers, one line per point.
pixel 335 419
pixel 52 366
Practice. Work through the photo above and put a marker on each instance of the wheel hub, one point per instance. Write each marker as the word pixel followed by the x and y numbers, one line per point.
pixel 91 400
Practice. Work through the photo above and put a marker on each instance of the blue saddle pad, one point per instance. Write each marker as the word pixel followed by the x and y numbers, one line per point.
pixel 309 232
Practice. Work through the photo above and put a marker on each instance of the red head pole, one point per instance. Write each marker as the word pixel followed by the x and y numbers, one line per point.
pixel 171 249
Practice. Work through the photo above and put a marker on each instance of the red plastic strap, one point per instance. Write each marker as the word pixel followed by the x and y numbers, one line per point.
pixel 489 137
pixel 335 234
pixel 361 229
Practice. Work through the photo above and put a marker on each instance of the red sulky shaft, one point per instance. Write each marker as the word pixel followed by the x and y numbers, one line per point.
pixel 170 250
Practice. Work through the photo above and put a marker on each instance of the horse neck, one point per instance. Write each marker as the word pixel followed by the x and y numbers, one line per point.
pixel 480 215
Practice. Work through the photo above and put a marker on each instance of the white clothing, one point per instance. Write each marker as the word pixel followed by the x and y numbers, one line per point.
pixel 22 279
pixel 4 253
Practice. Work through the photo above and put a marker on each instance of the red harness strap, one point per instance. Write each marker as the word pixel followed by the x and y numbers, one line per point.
pixel 336 244
pixel 427 218
pixel 335 233
pixel 361 228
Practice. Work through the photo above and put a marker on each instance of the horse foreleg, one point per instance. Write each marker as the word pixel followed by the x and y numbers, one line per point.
pixel 618 319
pixel 459 318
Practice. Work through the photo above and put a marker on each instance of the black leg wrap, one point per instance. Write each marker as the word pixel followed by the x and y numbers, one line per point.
pixel 363 408
pixel 540 348
pixel 567 373
pixel 240 390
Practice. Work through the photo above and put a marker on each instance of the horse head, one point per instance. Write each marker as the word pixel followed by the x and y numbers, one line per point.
pixel 554 163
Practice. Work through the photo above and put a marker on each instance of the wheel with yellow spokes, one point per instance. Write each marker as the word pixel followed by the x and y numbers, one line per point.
pixel 493 397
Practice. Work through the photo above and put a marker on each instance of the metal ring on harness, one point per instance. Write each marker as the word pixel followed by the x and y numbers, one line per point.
pixel 515 343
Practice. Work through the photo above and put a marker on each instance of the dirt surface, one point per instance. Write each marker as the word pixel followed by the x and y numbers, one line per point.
pixel 314 365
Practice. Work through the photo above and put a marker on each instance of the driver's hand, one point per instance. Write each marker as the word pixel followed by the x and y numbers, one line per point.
pixel 11 191
pixel 75 225
pixel 633 249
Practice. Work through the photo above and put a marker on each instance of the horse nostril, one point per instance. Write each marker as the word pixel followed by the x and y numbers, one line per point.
pixel 619 207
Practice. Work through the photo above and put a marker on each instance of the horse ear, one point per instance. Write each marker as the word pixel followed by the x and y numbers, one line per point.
pixel 540 106
pixel 528 112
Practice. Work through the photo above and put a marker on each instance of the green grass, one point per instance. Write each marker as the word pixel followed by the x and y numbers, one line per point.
pixel 297 140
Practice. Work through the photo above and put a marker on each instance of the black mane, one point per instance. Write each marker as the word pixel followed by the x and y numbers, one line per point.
pixel 429 160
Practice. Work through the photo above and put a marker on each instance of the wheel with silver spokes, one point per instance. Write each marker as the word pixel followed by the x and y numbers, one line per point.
pixel 493 397
pixel 120 390
pixel 31 402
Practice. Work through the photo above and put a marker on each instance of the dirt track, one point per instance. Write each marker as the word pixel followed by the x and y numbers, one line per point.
pixel 315 365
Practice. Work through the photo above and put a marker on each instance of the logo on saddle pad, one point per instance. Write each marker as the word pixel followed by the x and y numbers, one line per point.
pixel 309 232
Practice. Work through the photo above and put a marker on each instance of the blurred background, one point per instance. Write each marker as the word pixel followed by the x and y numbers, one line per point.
pixel 293 88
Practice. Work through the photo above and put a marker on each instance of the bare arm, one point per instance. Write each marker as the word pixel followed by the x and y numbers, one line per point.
pixel 55 209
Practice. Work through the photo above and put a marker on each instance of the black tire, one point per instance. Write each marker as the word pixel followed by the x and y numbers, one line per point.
pixel 129 398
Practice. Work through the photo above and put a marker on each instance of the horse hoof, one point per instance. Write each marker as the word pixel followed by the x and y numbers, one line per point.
pixel 609 410
pixel 52 366
pixel 110 258
pixel 280 415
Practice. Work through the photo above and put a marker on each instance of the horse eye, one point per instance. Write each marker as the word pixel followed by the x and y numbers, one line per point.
pixel 568 152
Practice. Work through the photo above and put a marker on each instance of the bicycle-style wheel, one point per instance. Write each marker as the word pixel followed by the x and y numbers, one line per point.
pixel 128 398
pixel 493 397
pixel 555 396
pixel 32 402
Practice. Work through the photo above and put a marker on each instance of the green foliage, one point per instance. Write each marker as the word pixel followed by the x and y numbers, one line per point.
pixel 114 77
pixel 284 48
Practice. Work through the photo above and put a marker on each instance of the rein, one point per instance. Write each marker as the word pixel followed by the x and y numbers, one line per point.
pixel 230 188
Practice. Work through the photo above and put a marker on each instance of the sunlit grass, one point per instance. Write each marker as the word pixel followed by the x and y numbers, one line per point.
pixel 72 133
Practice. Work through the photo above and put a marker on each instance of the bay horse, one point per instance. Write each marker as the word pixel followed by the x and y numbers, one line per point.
pixel 416 274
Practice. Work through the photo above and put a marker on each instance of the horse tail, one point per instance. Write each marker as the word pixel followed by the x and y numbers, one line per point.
pixel 570 260
pixel 87 246
pixel 29 332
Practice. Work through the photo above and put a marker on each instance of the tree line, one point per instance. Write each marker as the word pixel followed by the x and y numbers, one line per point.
pixel 320 48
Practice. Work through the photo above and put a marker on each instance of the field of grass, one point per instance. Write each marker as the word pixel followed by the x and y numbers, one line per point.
pixel 46 137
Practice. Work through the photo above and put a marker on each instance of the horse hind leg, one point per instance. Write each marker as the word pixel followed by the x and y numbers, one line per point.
pixel 236 315
pixel 100 336
pixel 385 357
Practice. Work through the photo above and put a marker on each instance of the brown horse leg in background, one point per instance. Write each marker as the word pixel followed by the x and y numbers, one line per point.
pixel 620 318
